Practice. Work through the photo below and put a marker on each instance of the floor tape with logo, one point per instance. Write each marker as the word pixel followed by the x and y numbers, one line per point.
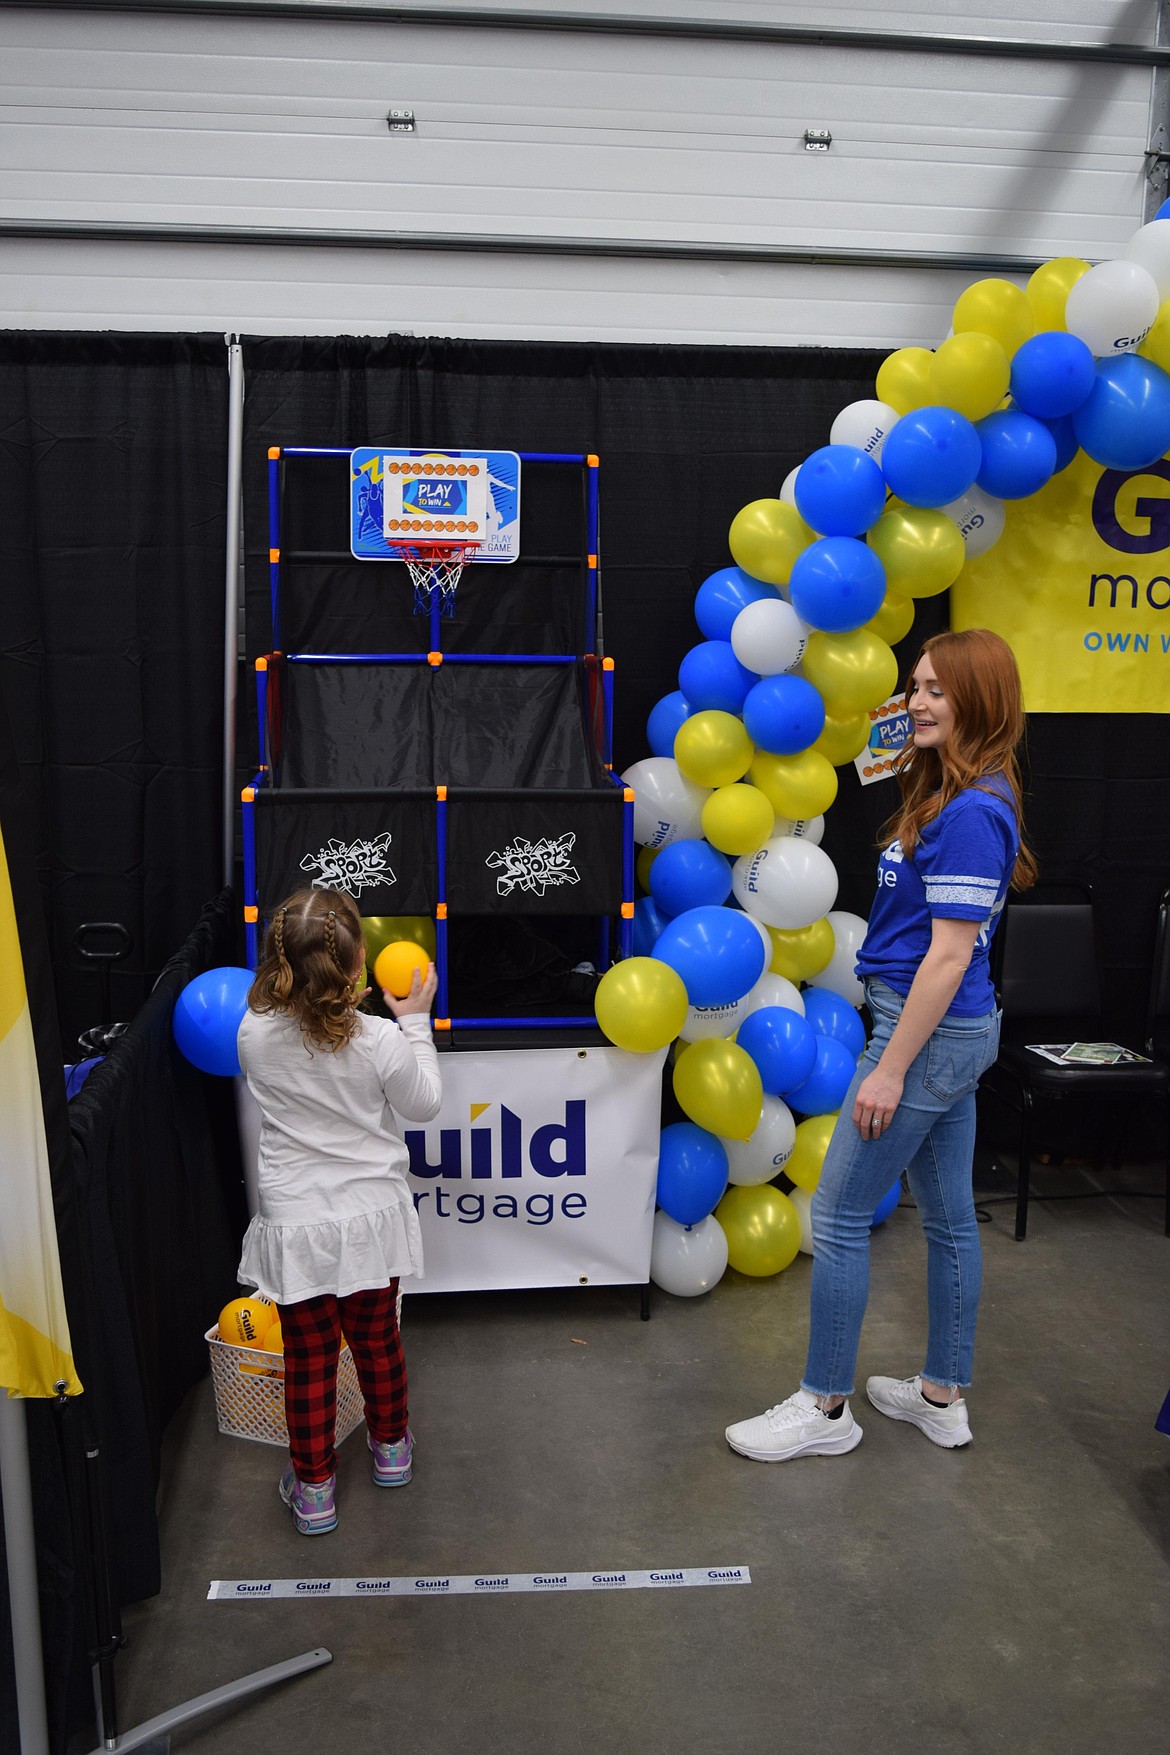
pixel 239 1590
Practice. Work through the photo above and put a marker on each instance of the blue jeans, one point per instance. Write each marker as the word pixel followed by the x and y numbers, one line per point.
pixel 932 1138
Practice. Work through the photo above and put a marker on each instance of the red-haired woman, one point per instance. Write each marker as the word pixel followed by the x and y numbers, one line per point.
pixel 336 1226
pixel 956 848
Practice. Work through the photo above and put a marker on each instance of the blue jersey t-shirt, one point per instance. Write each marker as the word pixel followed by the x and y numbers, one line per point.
pixel 960 870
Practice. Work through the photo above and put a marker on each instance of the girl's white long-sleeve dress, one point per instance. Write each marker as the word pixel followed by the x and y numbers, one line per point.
pixel 335 1211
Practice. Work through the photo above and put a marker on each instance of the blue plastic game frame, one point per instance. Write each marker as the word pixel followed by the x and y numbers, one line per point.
pixel 600 674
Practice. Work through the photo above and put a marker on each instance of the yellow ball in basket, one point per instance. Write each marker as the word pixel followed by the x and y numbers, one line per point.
pixel 395 966
pixel 274 1338
pixel 245 1321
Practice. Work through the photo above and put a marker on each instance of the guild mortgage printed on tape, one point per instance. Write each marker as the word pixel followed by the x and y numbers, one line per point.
pixel 250 1590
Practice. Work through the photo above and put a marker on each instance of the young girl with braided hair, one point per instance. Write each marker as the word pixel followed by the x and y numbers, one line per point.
pixel 336 1227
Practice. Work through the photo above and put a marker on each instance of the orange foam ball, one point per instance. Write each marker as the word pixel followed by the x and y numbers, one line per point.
pixel 395 966
pixel 245 1321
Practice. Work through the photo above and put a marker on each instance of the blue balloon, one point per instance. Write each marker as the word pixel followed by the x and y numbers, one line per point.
pixel 1125 423
pixel 722 595
pixel 717 952
pixel 824 1089
pixel 648 923
pixel 839 490
pixel 1064 435
pixel 689 874
pixel 837 583
pixel 783 714
pixel 830 1015
pixel 886 1205
pixel 692 1172
pixel 1019 455
pixel 1052 374
pixel 711 676
pixel 665 718
pixel 782 1044
pixel 1163 211
pixel 207 1018
pixel 931 456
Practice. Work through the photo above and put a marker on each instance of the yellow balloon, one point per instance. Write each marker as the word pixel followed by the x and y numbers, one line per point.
pixel 795 786
pixel 1047 291
pixel 808 1154
pixel 762 1228
pixel 903 380
pixel 997 308
pixel 970 374
pixel 765 539
pixel 738 819
pixel 386 929
pixel 845 735
pixel 852 671
pixel 641 1004
pixel 717 1084
pixel 921 550
pixel 1156 346
pixel 712 748
pixel 892 622
pixel 801 954
pixel 645 859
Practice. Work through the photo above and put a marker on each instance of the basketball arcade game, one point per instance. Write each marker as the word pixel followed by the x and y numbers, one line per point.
pixel 441 777
pixel 445 751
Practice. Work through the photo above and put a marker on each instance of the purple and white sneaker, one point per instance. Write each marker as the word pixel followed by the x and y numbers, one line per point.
pixel 312 1507
pixel 391 1461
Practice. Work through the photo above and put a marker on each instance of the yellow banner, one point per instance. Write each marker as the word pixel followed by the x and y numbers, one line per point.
pixel 35 1349
pixel 1078 586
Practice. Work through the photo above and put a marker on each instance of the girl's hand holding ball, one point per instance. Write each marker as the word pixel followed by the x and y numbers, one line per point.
pixel 407 978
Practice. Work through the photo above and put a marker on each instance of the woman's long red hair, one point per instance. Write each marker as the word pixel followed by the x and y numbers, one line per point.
pixel 978 674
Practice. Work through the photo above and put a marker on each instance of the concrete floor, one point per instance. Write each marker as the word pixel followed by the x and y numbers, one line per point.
pixel 1012 1596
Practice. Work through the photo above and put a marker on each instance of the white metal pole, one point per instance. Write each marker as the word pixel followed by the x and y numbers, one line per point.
pixel 231 594
pixel 23 1592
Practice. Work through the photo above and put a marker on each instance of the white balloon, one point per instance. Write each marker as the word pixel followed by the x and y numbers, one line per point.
pixel 769 637
pixel 1150 249
pixel 704 1022
pixel 773 990
pixel 788 487
pixel 802 1201
pixel 763 1156
pixel 801 828
pixel 849 932
pixel 687 1260
pixel 1112 307
pixel 787 883
pixel 866 425
pixel 980 519
pixel 667 806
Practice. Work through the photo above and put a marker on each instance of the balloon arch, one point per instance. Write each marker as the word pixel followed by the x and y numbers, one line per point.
pixel 740 958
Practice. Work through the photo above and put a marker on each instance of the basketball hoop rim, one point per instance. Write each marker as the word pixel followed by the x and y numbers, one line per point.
pixel 409 549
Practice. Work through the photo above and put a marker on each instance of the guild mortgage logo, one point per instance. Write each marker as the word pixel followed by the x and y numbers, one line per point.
pixel 534 866
pixel 360 865
pixel 474 1172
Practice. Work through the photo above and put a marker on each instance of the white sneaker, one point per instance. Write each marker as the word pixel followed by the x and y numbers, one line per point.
pixel 797 1427
pixel 902 1399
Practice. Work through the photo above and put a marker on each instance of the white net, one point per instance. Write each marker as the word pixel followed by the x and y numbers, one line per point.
pixel 435 569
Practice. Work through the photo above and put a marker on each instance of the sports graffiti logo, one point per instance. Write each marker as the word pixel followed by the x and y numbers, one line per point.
pixel 360 866
pixel 534 866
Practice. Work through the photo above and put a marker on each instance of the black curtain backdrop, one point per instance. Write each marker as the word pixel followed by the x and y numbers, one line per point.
pixel 686 436
pixel 112 521
pixel 151 1210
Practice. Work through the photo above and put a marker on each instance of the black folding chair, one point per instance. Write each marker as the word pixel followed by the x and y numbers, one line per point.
pixel 1048 977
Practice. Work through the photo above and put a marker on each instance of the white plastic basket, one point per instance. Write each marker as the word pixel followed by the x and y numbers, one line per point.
pixel 249 1392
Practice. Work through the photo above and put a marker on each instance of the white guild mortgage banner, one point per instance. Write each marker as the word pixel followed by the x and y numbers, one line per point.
pixel 539 1170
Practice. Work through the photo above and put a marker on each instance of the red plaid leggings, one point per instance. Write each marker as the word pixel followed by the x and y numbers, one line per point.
pixel 312 1342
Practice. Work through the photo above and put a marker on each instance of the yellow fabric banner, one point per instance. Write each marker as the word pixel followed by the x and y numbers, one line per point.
pixel 1078 586
pixel 35 1349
